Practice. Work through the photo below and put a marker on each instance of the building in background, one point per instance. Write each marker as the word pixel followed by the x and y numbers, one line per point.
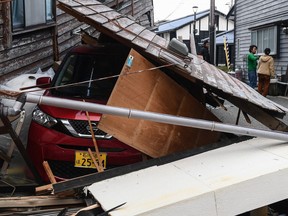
pixel 265 25
pixel 221 57
pixel 35 34
pixel 182 28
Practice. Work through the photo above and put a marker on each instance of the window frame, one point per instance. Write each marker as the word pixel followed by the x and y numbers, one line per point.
pixel 50 18
pixel 262 38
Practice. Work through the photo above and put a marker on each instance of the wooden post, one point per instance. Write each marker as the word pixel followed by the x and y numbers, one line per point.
pixel 132 7
pixel 94 161
pixel 7 32
pixel 21 148
pixel 99 167
pixel 49 172
pixel 12 144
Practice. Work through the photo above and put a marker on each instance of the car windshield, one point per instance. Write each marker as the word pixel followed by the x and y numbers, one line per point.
pixel 88 76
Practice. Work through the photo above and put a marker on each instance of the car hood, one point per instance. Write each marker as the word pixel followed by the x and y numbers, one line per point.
pixel 64 113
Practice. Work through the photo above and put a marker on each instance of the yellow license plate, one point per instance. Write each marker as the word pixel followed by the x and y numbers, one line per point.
pixel 83 159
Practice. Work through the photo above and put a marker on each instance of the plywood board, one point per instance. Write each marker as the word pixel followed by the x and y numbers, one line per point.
pixel 143 89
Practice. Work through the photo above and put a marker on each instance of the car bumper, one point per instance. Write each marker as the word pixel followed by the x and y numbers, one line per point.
pixel 58 150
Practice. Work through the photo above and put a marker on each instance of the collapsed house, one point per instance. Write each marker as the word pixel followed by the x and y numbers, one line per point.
pixel 202 80
pixel 186 86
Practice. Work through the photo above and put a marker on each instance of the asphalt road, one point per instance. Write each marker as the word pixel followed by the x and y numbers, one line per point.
pixel 230 116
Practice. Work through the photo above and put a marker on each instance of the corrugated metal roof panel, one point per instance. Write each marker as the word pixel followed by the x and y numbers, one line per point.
pixel 220 37
pixel 178 23
pixel 149 44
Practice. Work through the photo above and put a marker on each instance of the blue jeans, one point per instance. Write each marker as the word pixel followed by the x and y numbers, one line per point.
pixel 252 78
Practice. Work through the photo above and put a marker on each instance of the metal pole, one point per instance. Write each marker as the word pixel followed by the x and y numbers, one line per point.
pixel 193 41
pixel 194 24
pixel 212 31
pixel 156 117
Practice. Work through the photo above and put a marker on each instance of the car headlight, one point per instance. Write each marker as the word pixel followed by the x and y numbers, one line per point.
pixel 42 118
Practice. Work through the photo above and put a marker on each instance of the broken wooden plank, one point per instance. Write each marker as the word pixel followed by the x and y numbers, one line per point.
pixel 260 115
pixel 44 189
pixel 35 201
pixel 49 172
pixel 97 163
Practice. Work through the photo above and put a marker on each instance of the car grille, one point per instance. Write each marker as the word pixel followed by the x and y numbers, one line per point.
pixel 81 128
pixel 66 170
pixel 101 149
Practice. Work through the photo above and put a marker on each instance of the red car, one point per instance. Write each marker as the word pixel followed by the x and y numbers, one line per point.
pixel 62 136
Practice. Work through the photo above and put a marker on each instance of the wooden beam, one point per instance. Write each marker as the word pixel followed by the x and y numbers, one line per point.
pixel 97 163
pixel 49 172
pixel 7 31
pixel 44 189
pixel 36 201
pixel 12 144
pixel 4 156
pixel 260 115
pixel 55 44
pixel 21 148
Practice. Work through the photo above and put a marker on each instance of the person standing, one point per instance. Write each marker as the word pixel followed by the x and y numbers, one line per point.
pixel 265 72
pixel 204 52
pixel 252 66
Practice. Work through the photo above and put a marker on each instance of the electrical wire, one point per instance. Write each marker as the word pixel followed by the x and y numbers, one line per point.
pixel 176 8
pixel 98 79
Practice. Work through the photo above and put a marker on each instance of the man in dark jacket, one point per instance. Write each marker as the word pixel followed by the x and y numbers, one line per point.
pixel 204 52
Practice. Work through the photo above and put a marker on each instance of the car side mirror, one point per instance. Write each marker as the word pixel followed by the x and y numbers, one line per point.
pixel 43 82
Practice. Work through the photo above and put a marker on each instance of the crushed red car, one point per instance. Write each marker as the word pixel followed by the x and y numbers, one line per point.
pixel 62 136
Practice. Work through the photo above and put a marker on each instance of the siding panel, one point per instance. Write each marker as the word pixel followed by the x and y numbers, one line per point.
pixel 256 13
pixel 34 50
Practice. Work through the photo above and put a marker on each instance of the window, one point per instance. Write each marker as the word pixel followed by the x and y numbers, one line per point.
pixel 31 13
pixel 265 38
